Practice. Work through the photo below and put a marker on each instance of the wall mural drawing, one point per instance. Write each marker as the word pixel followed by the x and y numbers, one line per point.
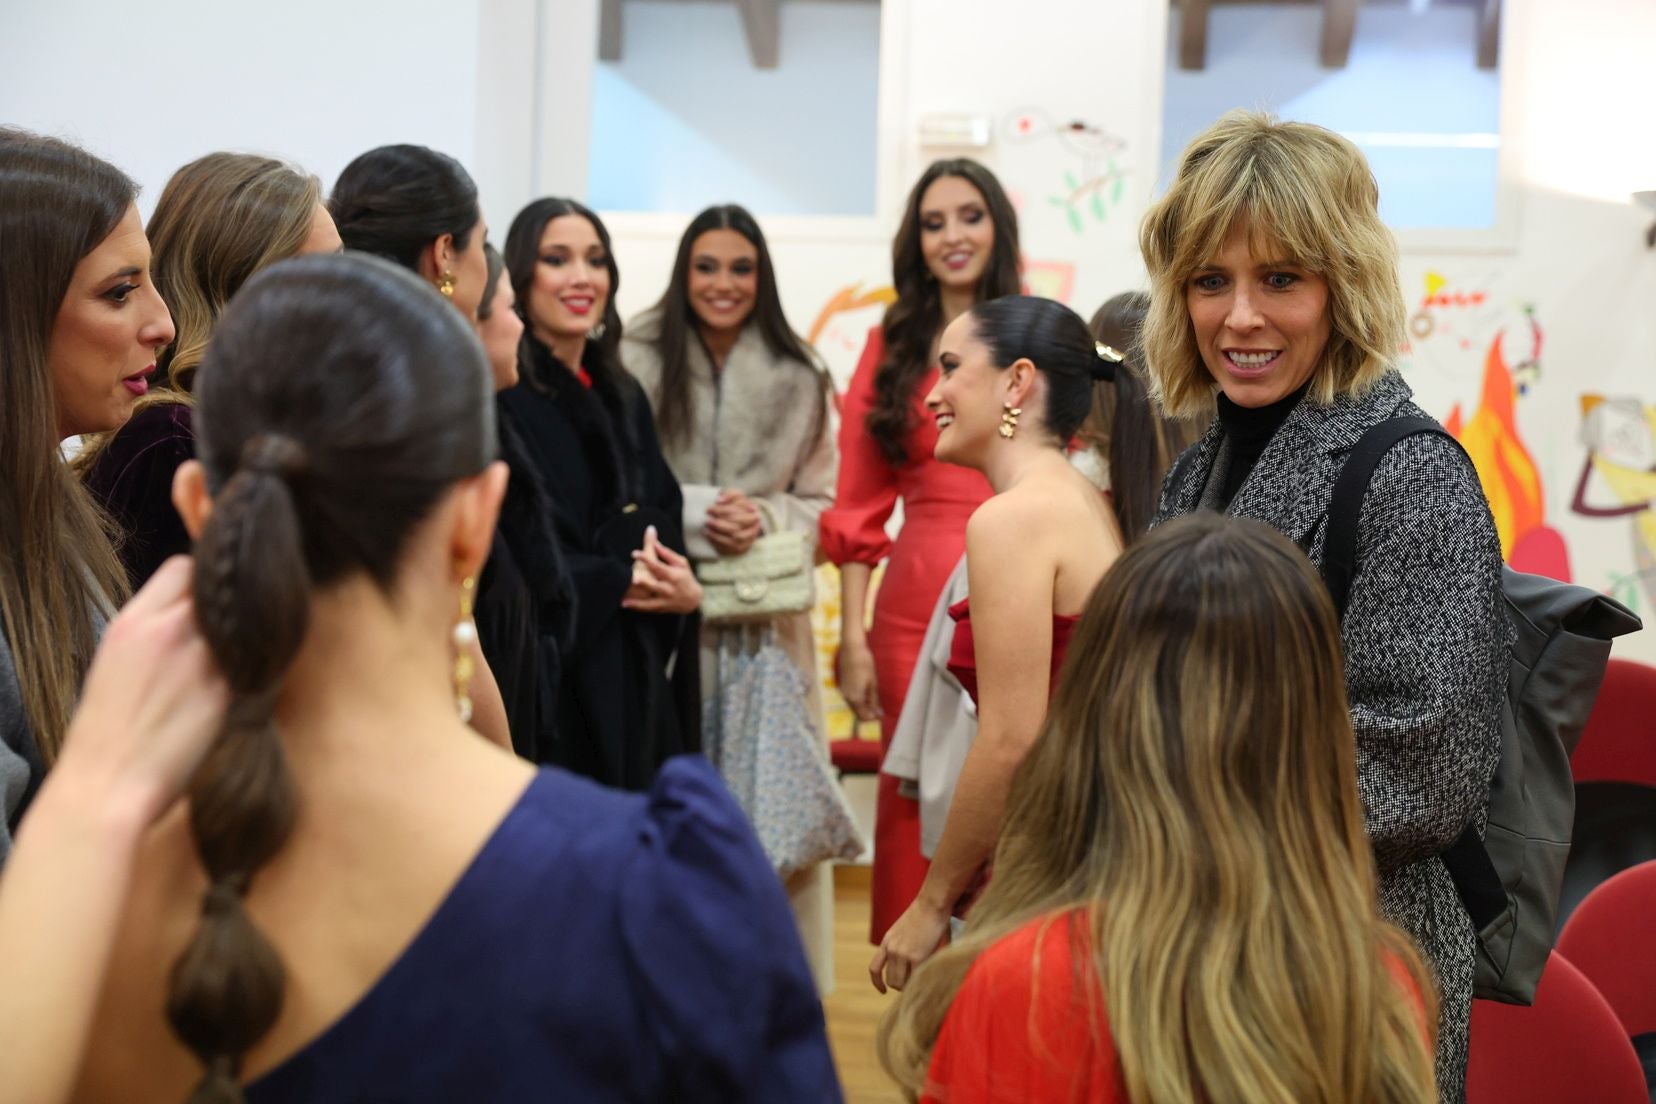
pixel 1511 480
pixel 1094 186
pixel 1618 480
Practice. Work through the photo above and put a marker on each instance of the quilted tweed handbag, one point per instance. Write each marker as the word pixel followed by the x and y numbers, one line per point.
pixel 771 578
pixel 758 731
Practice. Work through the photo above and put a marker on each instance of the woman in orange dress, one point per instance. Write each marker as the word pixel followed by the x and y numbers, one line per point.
pixel 1184 904
pixel 958 245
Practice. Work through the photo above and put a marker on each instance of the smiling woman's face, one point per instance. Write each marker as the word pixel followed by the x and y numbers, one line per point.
pixel 572 283
pixel 724 280
pixel 107 334
pixel 1262 323
pixel 957 234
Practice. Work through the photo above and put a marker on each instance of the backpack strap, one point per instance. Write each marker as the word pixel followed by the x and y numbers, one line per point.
pixel 1470 866
pixel 1345 509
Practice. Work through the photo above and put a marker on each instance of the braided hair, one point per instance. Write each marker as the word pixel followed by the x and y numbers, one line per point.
pixel 343 397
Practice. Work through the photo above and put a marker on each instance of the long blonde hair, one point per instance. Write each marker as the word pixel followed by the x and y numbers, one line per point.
pixel 1195 790
pixel 219 220
pixel 1307 196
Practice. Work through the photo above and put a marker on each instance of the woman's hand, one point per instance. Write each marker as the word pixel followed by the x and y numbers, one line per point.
pixel 854 672
pixel 914 938
pixel 153 700
pixel 662 580
pixel 733 523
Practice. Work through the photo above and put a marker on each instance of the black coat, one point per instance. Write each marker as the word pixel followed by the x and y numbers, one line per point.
pixel 525 601
pixel 619 713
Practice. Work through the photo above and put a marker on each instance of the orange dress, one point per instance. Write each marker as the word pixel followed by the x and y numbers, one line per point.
pixel 937 499
pixel 1024 1028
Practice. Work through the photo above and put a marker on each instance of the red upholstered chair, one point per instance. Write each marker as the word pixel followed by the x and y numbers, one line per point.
pixel 1619 743
pixel 1611 937
pixel 1569 1046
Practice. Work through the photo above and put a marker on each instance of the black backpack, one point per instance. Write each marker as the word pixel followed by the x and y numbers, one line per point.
pixel 1509 880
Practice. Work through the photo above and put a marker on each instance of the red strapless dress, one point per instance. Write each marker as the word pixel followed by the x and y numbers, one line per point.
pixel 963 654
pixel 963 666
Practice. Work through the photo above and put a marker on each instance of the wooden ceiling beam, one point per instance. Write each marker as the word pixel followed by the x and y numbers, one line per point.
pixel 1489 35
pixel 761 20
pixel 609 30
pixel 1193 27
pixel 1339 24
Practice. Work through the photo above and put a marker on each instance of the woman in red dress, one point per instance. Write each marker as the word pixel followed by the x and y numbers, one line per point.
pixel 1020 377
pixel 1184 903
pixel 958 245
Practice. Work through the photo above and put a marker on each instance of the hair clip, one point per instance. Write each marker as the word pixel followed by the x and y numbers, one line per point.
pixel 1107 352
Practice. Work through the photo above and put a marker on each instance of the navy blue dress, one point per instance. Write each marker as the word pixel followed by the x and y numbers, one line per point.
pixel 602 946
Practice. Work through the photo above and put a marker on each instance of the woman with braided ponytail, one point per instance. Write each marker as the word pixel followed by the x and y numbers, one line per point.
pixel 361 902
pixel 1020 377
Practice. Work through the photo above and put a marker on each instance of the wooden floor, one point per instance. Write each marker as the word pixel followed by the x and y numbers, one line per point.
pixel 854 1008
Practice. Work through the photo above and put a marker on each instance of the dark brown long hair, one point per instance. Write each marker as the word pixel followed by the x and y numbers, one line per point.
pixel 677 318
pixel 57 559
pixel 913 321
pixel 339 399
pixel 1119 323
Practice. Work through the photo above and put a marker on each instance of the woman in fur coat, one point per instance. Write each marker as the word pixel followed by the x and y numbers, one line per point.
pixel 742 410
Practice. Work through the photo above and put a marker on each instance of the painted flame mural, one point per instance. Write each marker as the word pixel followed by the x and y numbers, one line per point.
pixel 1511 481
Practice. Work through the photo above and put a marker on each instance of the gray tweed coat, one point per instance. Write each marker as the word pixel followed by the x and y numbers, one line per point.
pixel 1426 651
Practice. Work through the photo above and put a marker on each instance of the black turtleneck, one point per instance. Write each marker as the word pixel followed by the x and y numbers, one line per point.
pixel 1249 430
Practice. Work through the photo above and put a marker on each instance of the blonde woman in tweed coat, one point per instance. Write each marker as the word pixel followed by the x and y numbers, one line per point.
pixel 1276 307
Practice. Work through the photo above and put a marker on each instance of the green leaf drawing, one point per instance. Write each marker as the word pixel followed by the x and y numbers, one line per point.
pixel 1074 219
pixel 1098 206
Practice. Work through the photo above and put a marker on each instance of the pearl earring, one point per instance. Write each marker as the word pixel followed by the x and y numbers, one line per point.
pixel 464 636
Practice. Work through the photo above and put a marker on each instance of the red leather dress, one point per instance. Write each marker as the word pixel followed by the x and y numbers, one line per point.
pixel 937 499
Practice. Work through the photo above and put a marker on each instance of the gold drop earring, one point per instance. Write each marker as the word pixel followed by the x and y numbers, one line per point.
pixel 1009 420
pixel 464 636
pixel 445 286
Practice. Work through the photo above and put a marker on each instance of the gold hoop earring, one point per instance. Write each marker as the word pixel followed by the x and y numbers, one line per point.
pixel 445 286
pixel 464 636
pixel 1009 420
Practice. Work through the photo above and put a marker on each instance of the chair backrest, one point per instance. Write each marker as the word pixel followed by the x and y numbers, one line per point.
pixel 1611 938
pixel 1568 1045
pixel 1619 743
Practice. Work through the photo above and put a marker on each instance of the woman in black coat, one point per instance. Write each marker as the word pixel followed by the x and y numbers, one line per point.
pixel 1275 296
pixel 629 697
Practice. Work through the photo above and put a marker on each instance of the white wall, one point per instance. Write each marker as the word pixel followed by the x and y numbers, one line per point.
pixel 150 86
pixel 1580 72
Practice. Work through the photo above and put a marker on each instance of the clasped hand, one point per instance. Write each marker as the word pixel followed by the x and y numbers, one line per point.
pixel 733 523
pixel 662 581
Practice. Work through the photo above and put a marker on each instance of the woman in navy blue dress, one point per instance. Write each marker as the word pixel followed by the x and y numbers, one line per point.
pixel 364 900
